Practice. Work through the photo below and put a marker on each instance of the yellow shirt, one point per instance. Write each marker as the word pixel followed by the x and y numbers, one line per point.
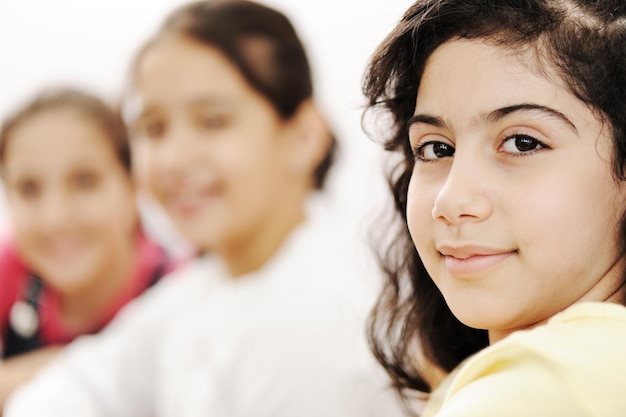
pixel 572 366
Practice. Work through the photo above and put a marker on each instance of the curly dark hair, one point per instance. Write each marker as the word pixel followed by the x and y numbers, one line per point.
pixel 583 40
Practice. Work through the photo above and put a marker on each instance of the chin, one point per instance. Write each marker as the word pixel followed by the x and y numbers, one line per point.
pixel 477 316
pixel 68 285
pixel 205 242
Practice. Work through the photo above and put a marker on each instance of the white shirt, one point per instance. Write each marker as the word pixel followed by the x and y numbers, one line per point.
pixel 286 340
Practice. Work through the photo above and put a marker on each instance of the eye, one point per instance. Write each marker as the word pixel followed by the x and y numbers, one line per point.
pixel 430 151
pixel 518 144
pixel 28 189
pixel 153 129
pixel 85 180
pixel 211 121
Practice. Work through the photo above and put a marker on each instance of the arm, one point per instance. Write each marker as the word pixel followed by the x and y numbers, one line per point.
pixel 20 369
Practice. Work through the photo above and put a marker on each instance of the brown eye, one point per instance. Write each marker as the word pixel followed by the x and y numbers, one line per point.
pixel 153 129
pixel 434 150
pixel 516 144
pixel 28 189
pixel 85 180
pixel 211 121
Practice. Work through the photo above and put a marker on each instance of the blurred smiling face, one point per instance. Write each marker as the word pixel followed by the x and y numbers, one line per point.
pixel 71 200
pixel 513 206
pixel 212 147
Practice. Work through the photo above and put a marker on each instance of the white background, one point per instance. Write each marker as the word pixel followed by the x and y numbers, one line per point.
pixel 90 43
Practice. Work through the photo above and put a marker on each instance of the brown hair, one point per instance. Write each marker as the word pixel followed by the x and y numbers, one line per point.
pixel 262 43
pixel 85 104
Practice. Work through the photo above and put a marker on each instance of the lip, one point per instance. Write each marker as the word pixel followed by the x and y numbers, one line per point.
pixel 190 203
pixel 62 250
pixel 472 260
pixel 187 207
pixel 185 194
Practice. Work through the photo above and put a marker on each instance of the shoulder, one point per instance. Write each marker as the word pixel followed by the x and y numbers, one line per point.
pixel 593 316
pixel 153 263
pixel 565 367
pixel 186 284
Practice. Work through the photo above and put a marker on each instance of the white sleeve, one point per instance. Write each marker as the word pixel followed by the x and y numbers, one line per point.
pixel 109 374
pixel 310 368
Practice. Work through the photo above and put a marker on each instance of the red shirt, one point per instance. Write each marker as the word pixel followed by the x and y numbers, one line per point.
pixel 151 264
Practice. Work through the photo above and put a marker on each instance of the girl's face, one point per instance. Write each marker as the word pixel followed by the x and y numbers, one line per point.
pixel 214 151
pixel 71 200
pixel 512 203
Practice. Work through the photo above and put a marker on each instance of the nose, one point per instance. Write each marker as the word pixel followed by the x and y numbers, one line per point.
pixel 465 195
pixel 55 211
pixel 175 152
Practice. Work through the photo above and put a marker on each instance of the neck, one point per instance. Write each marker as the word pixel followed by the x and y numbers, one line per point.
pixel 80 309
pixel 254 251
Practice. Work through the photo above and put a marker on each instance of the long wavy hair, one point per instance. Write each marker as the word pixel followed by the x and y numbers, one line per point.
pixel 583 40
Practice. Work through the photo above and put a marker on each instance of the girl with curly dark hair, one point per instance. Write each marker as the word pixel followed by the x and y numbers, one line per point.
pixel 507 279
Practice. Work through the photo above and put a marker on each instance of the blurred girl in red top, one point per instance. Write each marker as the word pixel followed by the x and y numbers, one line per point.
pixel 77 254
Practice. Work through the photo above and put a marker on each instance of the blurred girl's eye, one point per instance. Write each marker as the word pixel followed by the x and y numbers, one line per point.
pixel 28 189
pixel 154 129
pixel 150 128
pixel 211 121
pixel 85 181
pixel 521 144
pixel 431 151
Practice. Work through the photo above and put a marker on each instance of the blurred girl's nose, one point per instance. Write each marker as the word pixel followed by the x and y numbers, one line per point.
pixel 174 152
pixel 55 209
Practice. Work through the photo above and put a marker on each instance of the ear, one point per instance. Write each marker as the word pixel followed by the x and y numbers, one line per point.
pixel 309 140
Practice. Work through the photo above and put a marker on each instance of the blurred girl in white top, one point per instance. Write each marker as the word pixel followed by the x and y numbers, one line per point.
pixel 270 320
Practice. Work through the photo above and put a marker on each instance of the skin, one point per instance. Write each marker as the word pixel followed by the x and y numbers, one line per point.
pixel 74 221
pixel 229 171
pixel 512 204
pixel 73 210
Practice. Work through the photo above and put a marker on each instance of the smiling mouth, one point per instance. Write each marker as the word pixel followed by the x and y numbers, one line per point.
pixel 474 264
pixel 62 256
pixel 189 203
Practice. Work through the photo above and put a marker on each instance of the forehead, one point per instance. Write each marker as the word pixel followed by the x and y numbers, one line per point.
pixel 467 55
pixel 483 76
pixel 177 69
pixel 57 137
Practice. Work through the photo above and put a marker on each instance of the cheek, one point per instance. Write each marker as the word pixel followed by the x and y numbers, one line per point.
pixel 113 207
pixel 570 224
pixel 26 234
pixel 249 170
pixel 24 218
pixel 420 202
pixel 141 156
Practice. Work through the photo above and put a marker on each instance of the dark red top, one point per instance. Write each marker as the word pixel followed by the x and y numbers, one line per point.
pixel 151 264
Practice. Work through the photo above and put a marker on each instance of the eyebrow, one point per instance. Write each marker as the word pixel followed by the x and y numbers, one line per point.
pixel 200 101
pixel 497 115
pixel 207 101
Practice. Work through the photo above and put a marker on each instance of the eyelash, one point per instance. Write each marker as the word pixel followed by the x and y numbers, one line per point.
pixel 419 150
pixel 537 146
